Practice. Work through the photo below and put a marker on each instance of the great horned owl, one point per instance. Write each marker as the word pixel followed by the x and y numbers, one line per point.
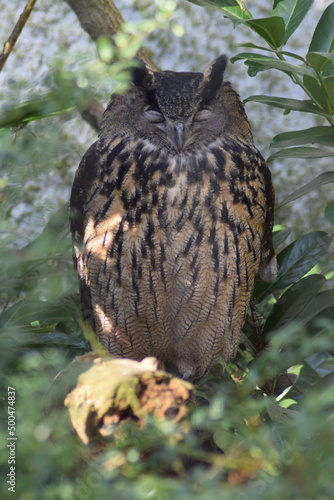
pixel 172 215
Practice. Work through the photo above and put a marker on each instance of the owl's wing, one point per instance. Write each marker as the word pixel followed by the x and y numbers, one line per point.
pixel 268 264
pixel 84 180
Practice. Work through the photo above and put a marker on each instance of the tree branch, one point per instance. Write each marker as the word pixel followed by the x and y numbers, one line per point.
pixel 9 45
pixel 97 18
pixel 101 17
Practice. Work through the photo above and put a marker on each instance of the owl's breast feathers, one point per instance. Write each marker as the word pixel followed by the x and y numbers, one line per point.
pixel 168 247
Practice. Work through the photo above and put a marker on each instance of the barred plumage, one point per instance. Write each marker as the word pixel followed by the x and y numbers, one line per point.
pixel 172 214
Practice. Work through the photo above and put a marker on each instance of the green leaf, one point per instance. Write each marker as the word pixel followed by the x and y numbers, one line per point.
pixel 65 97
pixel 233 9
pixel 295 261
pixel 302 152
pixel 329 86
pixel 280 236
pixel 323 36
pixel 320 135
pixel 300 256
pixel 250 45
pixel 319 60
pixel 329 212
pixel 287 104
pixel 319 303
pixel 328 364
pixel 324 178
pixel 266 49
pixel 271 29
pixel 293 12
pixel 27 311
pixel 319 95
pixel 271 63
pixel 34 109
pixel 293 301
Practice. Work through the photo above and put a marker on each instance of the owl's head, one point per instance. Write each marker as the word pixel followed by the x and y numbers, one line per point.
pixel 179 111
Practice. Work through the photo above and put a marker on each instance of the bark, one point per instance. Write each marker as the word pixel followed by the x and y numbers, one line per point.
pixel 101 17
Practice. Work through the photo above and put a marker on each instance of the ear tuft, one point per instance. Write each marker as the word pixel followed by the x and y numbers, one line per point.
pixel 143 76
pixel 213 73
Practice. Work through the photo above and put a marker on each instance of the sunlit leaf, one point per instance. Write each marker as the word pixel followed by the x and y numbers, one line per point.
pixel 293 12
pixel 324 178
pixel 320 135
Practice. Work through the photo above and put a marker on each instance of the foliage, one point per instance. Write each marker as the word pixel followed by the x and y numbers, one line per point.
pixel 266 431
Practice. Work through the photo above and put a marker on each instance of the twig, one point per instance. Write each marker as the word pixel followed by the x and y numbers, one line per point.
pixel 9 45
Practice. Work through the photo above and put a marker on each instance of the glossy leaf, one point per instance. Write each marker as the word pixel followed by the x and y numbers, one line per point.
pixel 287 104
pixel 293 12
pixel 319 135
pixel 302 152
pixel 292 302
pixel 295 261
pixel 300 256
pixel 324 178
pixel 271 63
pixel 233 9
pixel 329 212
pixel 323 300
pixel 271 29
pixel 323 36
pixel 317 92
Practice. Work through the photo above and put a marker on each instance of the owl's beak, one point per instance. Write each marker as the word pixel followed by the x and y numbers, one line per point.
pixel 179 135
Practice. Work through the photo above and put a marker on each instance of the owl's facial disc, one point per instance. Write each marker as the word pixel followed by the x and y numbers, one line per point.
pixel 176 130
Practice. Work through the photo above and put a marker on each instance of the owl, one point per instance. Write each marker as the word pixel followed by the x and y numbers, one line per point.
pixel 172 216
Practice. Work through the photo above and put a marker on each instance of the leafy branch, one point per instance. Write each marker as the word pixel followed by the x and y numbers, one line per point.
pixel 314 75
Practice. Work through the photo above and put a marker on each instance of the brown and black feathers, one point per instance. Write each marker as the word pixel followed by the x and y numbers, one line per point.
pixel 172 214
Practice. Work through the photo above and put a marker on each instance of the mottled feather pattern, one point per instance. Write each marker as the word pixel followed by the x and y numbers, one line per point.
pixel 168 243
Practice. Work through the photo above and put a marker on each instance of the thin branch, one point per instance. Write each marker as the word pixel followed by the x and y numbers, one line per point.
pixel 9 45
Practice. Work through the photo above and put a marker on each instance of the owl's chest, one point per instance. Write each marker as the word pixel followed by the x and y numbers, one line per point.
pixel 147 197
